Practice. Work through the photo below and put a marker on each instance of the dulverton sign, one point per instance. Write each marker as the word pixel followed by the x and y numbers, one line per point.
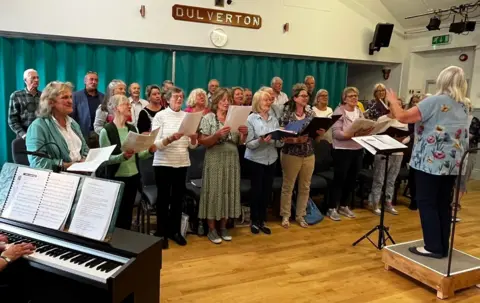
pixel 214 16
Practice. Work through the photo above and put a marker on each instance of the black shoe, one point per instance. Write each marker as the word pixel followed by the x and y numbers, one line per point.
pixel 265 229
pixel 179 239
pixel 254 229
pixel 412 207
pixel 414 250
pixel 164 243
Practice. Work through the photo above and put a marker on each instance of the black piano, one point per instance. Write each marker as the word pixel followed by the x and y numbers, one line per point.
pixel 69 268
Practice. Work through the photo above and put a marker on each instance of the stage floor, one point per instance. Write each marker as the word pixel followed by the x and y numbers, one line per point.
pixel 461 262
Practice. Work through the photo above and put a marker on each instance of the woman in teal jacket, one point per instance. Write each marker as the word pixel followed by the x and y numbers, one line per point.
pixel 54 132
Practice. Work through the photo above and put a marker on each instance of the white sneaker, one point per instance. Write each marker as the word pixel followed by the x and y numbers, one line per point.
pixel 332 214
pixel 389 208
pixel 374 208
pixel 345 211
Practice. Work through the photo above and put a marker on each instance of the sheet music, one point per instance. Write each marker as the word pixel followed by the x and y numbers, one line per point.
pixel 95 158
pixel 95 208
pixel 237 116
pixel 139 142
pixel 378 142
pixel 361 124
pixel 57 200
pixel 190 123
pixel 25 194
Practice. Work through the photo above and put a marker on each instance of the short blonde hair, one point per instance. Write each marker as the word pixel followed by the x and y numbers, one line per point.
pixel 50 93
pixel 348 90
pixel 266 89
pixel 192 98
pixel 322 90
pixel 451 82
pixel 115 101
pixel 257 99
pixel 377 87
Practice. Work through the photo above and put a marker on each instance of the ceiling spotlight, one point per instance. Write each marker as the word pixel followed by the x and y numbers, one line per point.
pixel 434 24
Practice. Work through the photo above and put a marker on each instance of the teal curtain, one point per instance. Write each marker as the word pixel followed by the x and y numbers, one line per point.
pixel 69 62
pixel 195 69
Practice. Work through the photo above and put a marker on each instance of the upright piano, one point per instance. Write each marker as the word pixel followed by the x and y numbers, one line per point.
pixel 69 268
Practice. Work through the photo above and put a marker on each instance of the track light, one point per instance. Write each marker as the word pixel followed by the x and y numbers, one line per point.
pixel 434 24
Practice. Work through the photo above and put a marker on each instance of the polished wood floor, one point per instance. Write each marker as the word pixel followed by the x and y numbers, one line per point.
pixel 317 264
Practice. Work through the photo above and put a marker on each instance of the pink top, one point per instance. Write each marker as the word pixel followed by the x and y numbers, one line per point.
pixel 343 124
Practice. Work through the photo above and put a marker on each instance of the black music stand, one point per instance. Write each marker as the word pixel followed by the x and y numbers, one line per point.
pixel 382 229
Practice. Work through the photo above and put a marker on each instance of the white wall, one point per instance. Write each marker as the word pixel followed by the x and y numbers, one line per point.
pixel 365 76
pixel 426 61
pixel 326 28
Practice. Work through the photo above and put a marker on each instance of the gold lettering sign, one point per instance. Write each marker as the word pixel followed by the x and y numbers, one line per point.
pixel 214 16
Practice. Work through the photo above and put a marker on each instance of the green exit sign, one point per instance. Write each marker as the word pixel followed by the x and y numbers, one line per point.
pixel 438 40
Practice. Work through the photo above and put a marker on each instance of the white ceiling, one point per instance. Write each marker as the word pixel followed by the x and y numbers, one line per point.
pixel 403 8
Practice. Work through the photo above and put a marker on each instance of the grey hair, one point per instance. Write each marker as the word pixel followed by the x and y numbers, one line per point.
pixel 49 94
pixel 275 79
pixel 115 101
pixel 192 98
pixel 322 90
pixel 109 93
pixel 167 82
pixel 451 82
pixel 308 77
pixel 27 72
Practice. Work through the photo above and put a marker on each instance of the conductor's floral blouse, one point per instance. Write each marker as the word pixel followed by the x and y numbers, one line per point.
pixel 441 137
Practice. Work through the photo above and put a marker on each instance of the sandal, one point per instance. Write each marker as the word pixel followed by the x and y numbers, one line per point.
pixel 301 221
pixel 285 222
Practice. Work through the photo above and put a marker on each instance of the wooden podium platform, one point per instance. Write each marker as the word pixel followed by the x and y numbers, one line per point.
pixel 465 269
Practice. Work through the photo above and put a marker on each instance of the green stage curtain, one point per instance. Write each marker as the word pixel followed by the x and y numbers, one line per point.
pixel 195 69
pixel 69 62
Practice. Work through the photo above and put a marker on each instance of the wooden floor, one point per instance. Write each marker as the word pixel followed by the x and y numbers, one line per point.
pixel 317 264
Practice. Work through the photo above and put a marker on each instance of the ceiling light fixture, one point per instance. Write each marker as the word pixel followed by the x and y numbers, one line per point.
pixel 434 24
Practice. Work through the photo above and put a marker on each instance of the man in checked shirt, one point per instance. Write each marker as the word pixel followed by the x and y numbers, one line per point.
pixel 24 103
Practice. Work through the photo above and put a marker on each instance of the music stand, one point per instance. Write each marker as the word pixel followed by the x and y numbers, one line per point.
pixel 382 229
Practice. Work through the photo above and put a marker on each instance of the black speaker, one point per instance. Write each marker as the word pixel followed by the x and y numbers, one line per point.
pixel 381 37
pixel 383 34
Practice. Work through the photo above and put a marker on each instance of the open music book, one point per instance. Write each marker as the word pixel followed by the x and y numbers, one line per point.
pixel 40 197
pixel 303 127
pixel 78 204
pixel 362 124
pixel 379 144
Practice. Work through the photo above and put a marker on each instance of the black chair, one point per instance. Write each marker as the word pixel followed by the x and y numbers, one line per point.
pixel 18 146
pixel 323 168
pixel 245 186
pixel 403 176
pixel 195 172
pixel 148 191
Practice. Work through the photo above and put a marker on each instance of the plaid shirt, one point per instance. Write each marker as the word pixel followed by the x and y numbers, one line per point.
pixel 21 111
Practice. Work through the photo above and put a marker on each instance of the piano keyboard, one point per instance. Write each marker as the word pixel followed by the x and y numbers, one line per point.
pixel 65 256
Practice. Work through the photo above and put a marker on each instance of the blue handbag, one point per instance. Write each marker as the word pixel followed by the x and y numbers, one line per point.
pixel 313 215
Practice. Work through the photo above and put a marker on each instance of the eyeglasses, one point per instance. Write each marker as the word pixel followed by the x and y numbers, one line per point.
pixel 352 96
pixel 303 96
pixel 176 97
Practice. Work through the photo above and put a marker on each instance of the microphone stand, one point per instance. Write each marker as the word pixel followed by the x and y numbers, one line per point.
pixel 457 196
pixel 38 153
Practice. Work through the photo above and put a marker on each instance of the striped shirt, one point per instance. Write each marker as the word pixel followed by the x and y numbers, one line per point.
pixel 174 154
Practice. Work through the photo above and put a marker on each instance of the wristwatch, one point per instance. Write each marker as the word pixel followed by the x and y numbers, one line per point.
pixel 8 260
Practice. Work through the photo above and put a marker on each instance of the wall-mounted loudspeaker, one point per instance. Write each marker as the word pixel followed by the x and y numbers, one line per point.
pixel 381 37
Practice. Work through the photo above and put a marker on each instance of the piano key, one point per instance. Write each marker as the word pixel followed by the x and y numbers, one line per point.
pixel 58 253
